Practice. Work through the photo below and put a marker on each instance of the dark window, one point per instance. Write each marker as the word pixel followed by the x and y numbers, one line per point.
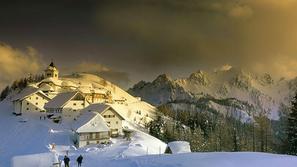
pixel 27 108
pixel 74 104
pixel 36 108
pixel 27 103
pixel 36 98
pixel 36 103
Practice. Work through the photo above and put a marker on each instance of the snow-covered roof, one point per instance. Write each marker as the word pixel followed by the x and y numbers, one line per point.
pixel 101 108
pixel 87 90
pixel 52 80
pixel 90 122
pixel 60 100
pixel 99 91
pixel 84 90
pixel 178 147
pixel 28 91
pixel 67 83
pixel 46 87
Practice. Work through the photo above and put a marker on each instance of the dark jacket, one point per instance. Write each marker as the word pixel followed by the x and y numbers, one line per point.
pixel 79 159
pixel 66 160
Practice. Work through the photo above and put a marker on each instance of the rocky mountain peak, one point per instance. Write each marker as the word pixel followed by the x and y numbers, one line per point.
pixel 162 78
pixel 199 77
pixel 266 79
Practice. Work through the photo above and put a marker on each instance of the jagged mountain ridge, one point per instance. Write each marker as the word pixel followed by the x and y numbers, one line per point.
pixel 228 91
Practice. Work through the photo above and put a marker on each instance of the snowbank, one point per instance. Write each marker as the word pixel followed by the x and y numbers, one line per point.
pixel 178 147
pixel 34 160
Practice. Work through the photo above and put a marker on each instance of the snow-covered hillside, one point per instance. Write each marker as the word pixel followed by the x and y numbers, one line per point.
pixel 27 136
pixel 227 89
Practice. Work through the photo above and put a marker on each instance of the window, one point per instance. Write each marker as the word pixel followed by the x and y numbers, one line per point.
pixel 117 122
pixel 36 108
pixel 36 103
pixel 36 98
pixel 105 116
pixel 74 110
pixel 27 109
pixel 27 103
pixel 74 104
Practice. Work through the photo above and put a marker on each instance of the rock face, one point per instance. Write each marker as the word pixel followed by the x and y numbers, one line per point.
pixel 229 91
pixel 162 90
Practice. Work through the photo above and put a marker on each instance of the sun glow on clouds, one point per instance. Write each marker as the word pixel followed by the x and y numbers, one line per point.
pixel 15 63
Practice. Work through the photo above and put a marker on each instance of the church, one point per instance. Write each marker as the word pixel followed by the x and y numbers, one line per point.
pixel 33 98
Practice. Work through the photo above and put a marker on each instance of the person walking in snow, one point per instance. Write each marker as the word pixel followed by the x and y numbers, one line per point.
pixel 79 160
pixel 66 161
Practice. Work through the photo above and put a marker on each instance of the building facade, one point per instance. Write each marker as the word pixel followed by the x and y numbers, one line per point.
pixel 30 100
pixel 112 117
pixel 67 105
pixel 90 128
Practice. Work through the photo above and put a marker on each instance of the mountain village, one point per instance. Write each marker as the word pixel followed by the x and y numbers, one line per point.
pixel 93 112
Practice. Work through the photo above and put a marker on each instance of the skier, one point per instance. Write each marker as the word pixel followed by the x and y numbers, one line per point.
pixel 66 161
pixel 79 160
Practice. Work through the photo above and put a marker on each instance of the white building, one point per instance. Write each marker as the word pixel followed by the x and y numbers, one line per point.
pixel 51 71
pixel 90 128
pixel 112 117
pixel 51 84
pixel 67 104
pixel 95 95
pixel 30 99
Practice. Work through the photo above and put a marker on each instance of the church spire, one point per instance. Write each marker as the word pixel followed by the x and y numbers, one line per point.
pixel 52 71
pixel 52 64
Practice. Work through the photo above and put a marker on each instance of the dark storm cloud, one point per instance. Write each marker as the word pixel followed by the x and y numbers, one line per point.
pixel 148 37
pixel 206 32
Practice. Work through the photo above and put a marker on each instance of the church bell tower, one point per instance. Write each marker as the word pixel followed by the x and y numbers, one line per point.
pixel 51 71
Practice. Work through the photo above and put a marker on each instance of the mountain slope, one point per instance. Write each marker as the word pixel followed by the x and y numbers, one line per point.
pixel 232 90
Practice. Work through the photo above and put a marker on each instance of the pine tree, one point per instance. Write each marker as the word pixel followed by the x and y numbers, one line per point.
pixel 292 128
pixel 4 93
pixel 156 127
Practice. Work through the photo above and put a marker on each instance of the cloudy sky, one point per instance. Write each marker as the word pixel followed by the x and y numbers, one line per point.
pixel 131 40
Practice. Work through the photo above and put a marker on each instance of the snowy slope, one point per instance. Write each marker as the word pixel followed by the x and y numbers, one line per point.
pixel 227 89
pixel 89 81
pixel 28 143
pixel 19 138
pixel 221 159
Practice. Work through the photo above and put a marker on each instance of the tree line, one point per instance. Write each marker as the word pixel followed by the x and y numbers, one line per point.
pixel 20 84
pixel 210 131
